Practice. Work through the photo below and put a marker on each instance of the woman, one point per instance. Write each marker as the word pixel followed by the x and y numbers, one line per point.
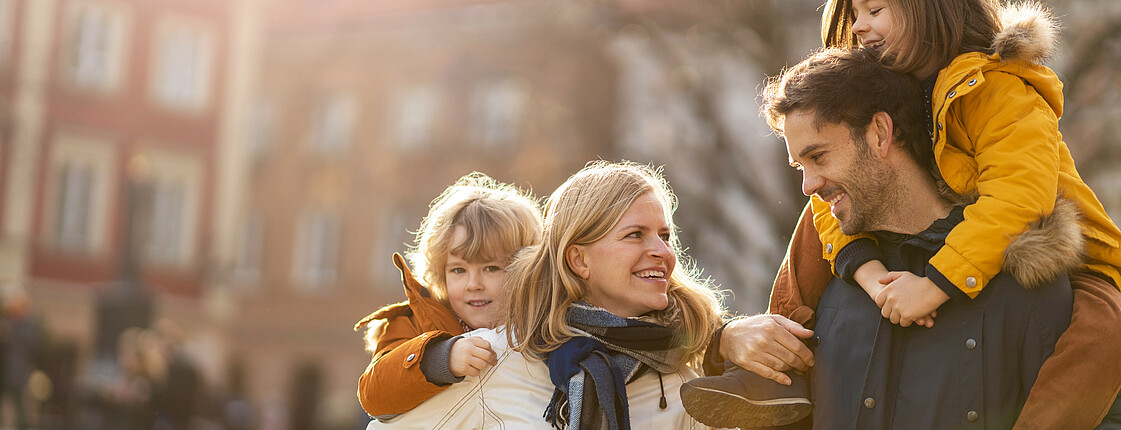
pixel 608 325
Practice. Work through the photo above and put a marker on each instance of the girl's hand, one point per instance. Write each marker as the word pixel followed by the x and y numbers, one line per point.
pixel 906 298
pixel 470 356
pixel 868 275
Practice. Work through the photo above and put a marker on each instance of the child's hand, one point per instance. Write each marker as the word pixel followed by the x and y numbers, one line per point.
pixel 907 298
pixel 470 356
pixel 868 275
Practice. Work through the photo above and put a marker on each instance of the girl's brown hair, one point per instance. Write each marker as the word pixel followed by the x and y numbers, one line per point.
pixel 541 286
pixel 931 31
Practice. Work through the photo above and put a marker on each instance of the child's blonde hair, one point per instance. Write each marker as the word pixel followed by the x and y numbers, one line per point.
pixel 498 219
pixel 541 286
pixel 931 30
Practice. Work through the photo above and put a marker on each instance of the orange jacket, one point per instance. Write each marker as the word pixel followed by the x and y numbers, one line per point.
pixel 393 383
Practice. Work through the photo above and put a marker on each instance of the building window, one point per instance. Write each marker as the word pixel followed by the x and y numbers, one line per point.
pixel 250 248
pixel 181 76
pixel 317 252
pixel 415 119
pixel 171 198
pixel 165 237
pixel 72 222
pixel 79 183
pixel 497 112
pixel 96 47
pixel 333 124
pixel 393 237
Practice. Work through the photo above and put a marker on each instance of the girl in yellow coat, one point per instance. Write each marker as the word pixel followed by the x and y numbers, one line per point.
pixel 994 121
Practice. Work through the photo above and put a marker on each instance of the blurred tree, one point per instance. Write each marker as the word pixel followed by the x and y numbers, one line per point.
pixel 689 79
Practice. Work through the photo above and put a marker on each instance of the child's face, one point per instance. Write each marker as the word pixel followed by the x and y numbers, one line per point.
pixel 874 22
pixel 474 289
pixel 628 270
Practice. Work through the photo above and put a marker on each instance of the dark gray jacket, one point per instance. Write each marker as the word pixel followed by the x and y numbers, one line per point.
pixel 972 370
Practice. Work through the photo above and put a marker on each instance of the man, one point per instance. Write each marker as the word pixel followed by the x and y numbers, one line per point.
pixel 855 131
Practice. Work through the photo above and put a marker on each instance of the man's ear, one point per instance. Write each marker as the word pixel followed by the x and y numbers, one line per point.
pixel 881 133
pixel 575 256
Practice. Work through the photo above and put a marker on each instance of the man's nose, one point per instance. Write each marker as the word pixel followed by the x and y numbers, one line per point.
pixel 811 182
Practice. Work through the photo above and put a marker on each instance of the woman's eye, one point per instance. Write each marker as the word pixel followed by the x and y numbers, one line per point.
pixel 635 234
pixel 665 238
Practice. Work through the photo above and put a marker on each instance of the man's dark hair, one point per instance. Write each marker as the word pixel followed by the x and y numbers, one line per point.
pixel 849 86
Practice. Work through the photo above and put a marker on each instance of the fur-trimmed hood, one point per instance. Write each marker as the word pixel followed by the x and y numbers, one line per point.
pixel 1053 245
pixel 1029 32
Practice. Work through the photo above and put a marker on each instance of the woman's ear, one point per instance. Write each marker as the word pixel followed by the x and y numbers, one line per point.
pixel 575 255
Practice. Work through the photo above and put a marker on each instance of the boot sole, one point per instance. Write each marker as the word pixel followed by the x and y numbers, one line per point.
pixel 726 410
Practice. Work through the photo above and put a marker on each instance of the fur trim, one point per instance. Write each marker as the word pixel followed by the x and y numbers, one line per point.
pixel 1052 246
pixel 1029 33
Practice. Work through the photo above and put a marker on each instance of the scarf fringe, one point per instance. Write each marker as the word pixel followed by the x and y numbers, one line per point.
pixel 556 414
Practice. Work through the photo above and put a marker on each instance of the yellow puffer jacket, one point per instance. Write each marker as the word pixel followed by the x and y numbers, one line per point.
pixel 997 141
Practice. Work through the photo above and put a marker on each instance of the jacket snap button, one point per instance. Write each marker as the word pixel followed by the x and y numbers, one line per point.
pixel 869 403
pixel 410 357
pixel 939 126
pixel 971 282
pixel 972 82
pixel 971 416
pixel 953 93
pixel 828 247
pixel 970 344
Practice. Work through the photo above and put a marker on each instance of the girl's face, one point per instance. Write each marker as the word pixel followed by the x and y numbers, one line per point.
pixel 627 271
pixel 474 289
pixel 874 22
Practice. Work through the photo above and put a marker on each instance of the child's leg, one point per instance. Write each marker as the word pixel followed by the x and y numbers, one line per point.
pixel 1079 382
pixel 803 275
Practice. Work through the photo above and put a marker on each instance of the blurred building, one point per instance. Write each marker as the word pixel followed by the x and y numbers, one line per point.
pixel 109 106
pixel 361 114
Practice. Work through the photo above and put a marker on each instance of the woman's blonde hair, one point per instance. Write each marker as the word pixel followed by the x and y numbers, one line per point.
pixel 584 209
pixel 931 30
pixel 498 219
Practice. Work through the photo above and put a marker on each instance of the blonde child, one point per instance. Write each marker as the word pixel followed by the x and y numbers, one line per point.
pixel 462 248
pixel 992 113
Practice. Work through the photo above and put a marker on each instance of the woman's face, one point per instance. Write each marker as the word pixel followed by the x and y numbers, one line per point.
pixel 627 271
pixel 874 22
pixel 474 288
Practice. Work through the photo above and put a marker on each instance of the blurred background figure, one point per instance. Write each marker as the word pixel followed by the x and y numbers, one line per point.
pixel 20 342
pixel 241 170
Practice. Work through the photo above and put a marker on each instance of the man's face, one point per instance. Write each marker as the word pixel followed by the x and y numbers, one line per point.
pixel 841 171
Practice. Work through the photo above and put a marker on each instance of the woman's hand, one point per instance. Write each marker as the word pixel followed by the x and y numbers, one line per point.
pixel 470 356
pixel 767 345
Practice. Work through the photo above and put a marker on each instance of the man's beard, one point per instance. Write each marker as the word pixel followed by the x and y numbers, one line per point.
pixel 871 194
